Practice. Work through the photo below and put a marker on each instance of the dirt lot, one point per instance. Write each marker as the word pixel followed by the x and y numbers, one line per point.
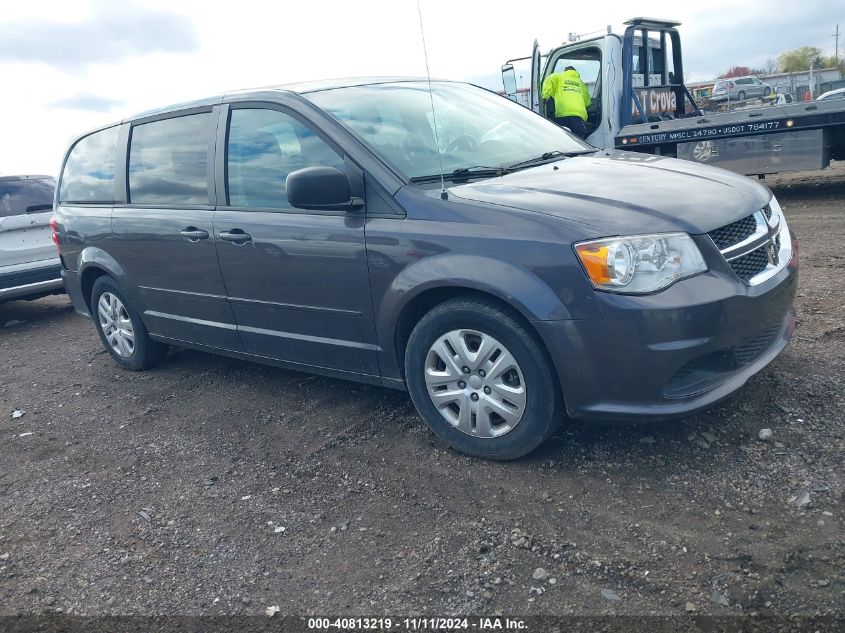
pixel 213 486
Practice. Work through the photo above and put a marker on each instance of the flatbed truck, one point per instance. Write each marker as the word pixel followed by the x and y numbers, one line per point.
pixel 640 103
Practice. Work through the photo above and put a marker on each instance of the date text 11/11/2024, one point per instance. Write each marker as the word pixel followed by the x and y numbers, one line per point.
pixel 417 624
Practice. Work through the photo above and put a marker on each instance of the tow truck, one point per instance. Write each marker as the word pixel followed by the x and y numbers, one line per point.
pixel 640 103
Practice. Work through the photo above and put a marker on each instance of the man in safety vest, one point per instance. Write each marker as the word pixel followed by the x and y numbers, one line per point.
pixel 571 99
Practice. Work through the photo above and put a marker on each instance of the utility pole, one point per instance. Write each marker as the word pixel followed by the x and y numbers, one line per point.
pixel 811 86
pixel 811 82
pixel 835 36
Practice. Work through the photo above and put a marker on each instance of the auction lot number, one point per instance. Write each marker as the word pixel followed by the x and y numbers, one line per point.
pixel 411 624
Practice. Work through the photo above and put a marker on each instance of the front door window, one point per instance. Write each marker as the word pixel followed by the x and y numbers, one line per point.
pixel 264 147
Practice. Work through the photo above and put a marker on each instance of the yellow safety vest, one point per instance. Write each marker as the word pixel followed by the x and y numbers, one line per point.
pixel 570 94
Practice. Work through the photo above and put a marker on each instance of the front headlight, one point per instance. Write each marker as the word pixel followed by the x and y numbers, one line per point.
pixel 639 264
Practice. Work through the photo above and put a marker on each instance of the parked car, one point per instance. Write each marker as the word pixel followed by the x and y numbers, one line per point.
pixel 29 265
pixel 839 93
pixel 497 267
pixel 740 89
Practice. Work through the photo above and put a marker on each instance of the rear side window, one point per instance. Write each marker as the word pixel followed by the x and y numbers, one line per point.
pixel 264 147
pixel 18 196
pixel 88 175
pixel 168 161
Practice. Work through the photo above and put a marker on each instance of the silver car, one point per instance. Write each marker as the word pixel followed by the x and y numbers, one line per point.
pixel 29 261
pixel 839 93
pixel 740 89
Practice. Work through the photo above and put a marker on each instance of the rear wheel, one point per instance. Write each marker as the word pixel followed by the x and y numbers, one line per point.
pixel 120 328
pixel 741 95
pixel 480 380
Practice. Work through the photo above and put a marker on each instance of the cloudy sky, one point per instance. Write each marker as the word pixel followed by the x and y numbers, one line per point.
pixel 72 65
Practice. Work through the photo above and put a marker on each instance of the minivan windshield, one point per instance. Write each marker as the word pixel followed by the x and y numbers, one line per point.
pixel 478 132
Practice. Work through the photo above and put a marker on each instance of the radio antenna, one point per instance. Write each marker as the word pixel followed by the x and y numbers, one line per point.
pixel 443 194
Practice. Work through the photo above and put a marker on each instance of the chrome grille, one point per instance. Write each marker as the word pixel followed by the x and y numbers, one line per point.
pixel 753 246
pixel 734 233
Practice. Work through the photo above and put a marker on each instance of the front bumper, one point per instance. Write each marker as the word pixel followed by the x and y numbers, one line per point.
pixel 675 352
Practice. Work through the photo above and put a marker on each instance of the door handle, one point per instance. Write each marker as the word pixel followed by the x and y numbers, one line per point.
pixel 238 236
pixel 193 234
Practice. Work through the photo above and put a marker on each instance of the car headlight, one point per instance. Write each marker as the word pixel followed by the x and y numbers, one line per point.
pixel 639 264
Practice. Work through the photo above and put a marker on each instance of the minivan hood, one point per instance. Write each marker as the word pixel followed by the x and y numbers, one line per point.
pixel 625 193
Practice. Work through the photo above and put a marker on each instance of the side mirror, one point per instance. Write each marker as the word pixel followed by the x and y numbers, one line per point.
pixel 321 188
pixel 509 80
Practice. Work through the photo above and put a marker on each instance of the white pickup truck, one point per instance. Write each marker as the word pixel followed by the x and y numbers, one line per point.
pixel 640 103
pixel 29 262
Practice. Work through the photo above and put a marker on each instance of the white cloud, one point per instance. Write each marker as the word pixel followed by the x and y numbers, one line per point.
pixel 110 34
pixel 85 102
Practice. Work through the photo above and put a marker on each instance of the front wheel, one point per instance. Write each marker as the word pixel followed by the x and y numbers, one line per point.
pixel 480 380
pixel 120 328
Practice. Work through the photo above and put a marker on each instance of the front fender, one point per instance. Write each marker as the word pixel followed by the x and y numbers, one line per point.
pixel 516 286
pixel 519 287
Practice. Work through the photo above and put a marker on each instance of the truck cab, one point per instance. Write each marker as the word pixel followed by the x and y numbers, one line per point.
pixel 644 65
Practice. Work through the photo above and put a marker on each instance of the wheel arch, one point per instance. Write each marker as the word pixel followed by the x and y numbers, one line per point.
pixel 422 303
pixel 94 263
pixel 432 280
pixel 517 291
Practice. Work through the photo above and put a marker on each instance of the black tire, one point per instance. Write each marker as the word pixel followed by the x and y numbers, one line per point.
pixel 540 416
pixel 146 352
pixel 741 95
pixel 767 92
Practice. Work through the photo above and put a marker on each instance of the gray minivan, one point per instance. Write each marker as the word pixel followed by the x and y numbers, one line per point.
pixel 441 239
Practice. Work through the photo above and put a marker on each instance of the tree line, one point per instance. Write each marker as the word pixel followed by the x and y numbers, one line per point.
pixel 798 60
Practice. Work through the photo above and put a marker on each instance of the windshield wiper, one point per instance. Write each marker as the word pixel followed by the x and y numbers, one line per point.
pixel 548 157
pixel 579 152
pixel 464 173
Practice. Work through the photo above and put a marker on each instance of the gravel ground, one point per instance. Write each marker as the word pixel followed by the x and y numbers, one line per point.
pixel 214 486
